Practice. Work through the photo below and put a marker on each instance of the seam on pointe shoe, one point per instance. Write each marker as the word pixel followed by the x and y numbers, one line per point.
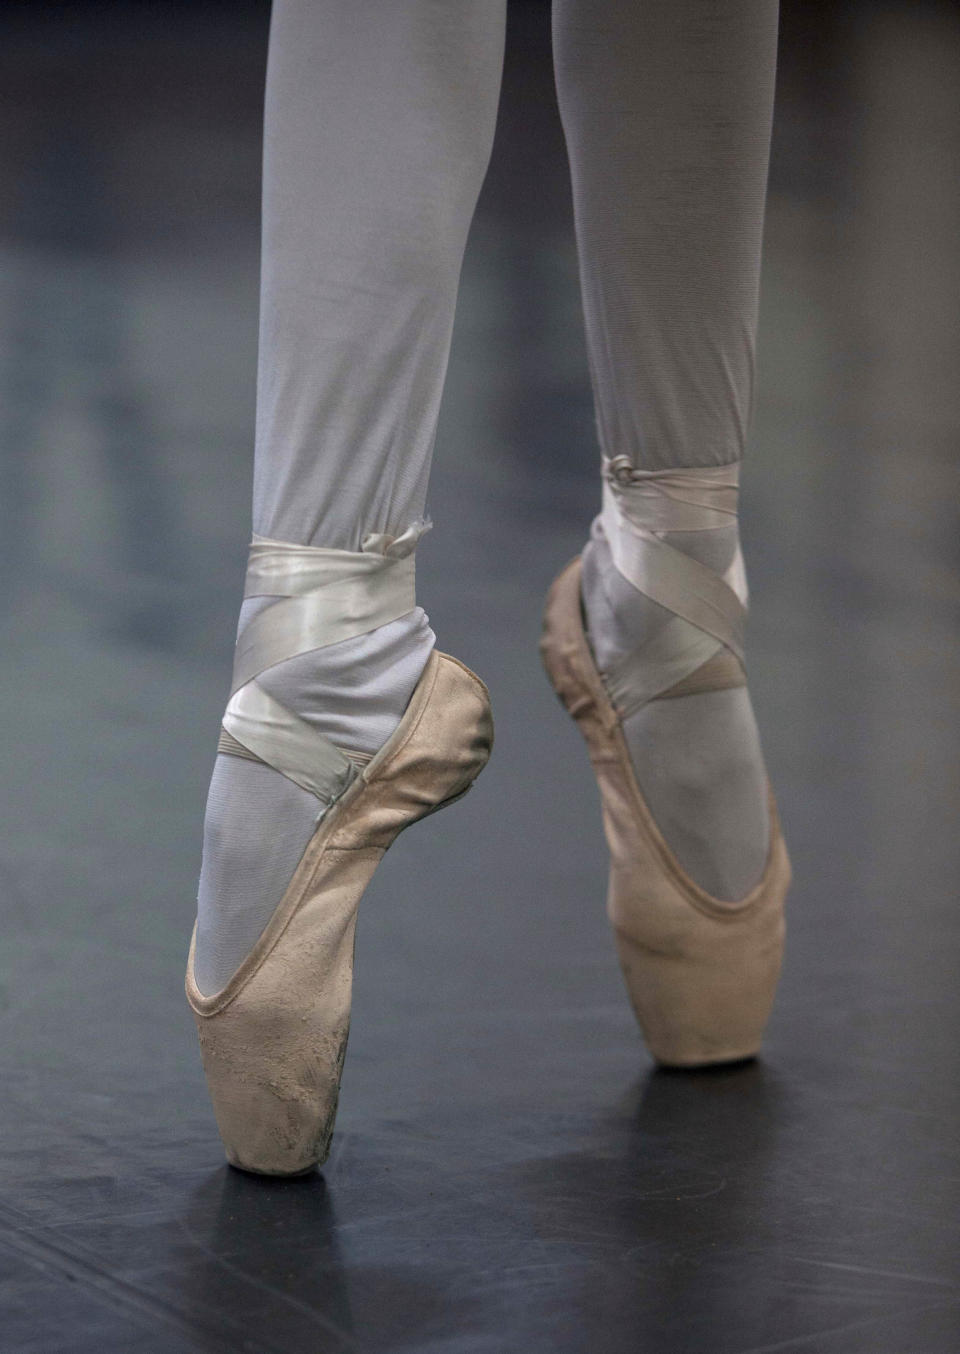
pixel 718 909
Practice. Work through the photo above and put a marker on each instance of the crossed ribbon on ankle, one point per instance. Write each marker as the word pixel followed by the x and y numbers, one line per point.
pixel 325 596
pixel 709 609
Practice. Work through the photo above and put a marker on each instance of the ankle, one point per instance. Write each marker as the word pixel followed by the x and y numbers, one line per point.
pixel 355 691
pixel 664 556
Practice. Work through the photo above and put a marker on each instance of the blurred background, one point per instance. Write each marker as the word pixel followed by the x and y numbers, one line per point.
pixel 509 1173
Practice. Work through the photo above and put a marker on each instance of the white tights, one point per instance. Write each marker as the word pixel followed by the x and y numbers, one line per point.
pixel 379 120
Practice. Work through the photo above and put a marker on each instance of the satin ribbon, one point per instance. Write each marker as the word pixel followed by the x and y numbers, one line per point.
pixel 326 596
pixel 709 608
pixel 698 498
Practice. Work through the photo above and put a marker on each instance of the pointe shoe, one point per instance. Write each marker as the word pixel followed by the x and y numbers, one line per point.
pixel 273 1039
pixel 701 973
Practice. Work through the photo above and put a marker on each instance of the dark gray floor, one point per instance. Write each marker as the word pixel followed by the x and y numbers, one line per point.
pixel 509 1173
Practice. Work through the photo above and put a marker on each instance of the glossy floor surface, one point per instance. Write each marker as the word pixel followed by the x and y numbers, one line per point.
pixel 509 1172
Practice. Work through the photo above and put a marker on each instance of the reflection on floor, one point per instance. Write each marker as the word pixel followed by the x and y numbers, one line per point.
pixel 509 1173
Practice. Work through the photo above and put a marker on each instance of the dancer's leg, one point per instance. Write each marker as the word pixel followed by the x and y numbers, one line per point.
pixel 379 121
pixel 667 109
